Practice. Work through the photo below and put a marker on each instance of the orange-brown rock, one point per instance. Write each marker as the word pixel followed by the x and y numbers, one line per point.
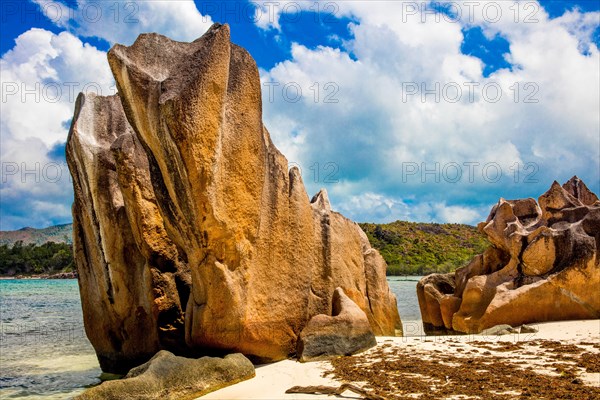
pixel 431 290
pixel 543 265
pixel 347 331
pixel 191 233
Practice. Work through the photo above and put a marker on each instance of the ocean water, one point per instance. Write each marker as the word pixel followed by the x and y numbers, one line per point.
pixel 44 353
pixel 405 289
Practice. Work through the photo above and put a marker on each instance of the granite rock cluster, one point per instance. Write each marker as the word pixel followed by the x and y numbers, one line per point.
pixel 190 232
pixel 543 264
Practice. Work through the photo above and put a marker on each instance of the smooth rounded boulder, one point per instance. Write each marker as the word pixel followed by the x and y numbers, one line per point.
pixel 166 376
pixel 347 331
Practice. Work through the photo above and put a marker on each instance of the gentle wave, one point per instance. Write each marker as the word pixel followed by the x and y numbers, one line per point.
pixel 44 353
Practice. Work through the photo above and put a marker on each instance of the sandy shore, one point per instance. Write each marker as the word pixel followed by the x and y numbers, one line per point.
pixel 562 357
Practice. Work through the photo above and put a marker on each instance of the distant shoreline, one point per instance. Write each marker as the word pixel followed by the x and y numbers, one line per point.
pixel 410 278
pixel 60 275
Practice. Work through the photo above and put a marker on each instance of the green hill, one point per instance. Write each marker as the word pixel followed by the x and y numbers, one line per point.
pixel 56 234
pixel 413 248
pixel 31 251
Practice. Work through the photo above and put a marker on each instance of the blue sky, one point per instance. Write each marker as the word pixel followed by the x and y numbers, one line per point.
pixel 402 110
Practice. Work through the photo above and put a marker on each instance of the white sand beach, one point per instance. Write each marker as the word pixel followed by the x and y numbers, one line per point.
pixel 552 352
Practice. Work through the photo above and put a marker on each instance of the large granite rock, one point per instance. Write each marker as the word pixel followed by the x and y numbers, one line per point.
pixel 543 265
pixel 190 232
pixel 347 331
pixel 167 376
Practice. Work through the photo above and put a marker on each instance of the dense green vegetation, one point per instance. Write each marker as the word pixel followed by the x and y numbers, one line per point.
pixel 48 258
pixel 412 248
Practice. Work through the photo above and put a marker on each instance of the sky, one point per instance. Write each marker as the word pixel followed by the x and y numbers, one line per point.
pixel 412 110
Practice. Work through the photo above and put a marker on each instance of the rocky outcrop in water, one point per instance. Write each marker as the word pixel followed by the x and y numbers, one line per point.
pixel 190 232
pixel 168 377
pixel 543 265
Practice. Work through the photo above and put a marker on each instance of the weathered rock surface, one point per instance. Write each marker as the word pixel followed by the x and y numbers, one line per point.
pixel 543 265
pixel 528 329
pixel 167 376
pixel 432 292
pixel 347 331
pixel 190 232
pixel 499 330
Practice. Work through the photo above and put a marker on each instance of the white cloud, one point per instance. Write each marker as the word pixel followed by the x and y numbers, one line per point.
pixel 458 214
pixel 40 78
pixel 580 25
pixel 377 128
pixel 122 21
pixel 373 207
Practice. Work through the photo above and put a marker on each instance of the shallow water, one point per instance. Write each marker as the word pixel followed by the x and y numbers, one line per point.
pixel 44 353
pixel 405 289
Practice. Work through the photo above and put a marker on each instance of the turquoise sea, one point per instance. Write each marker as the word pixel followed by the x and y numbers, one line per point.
pixel 44 353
